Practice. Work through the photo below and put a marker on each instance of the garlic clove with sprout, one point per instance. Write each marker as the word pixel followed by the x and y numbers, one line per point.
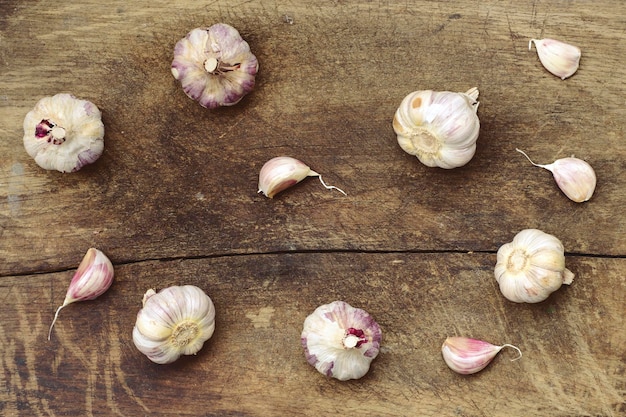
pixel 340 341
pixel 64 133
pixel 575 177
pixel 173 322
pixel 282 172
pixel 468 356
pixel 215 66
pixel 439 127
pixel 92 278
pixel 531 267
pixel 559 58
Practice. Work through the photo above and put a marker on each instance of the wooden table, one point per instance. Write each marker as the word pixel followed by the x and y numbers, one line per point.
pixel 174 201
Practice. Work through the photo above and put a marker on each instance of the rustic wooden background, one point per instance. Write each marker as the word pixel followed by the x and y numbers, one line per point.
pixel 173 201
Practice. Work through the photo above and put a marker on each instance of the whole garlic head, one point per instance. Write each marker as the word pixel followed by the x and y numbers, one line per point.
pixel 439 128
pixel 215 66
pixel 531 267
pixel 64 133
pixel 341 341
pixel 173 322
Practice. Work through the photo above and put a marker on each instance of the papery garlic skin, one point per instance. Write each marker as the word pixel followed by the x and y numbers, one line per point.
pixel 575 177
pixel 64 133
pixel 559 58
pixel 215 66
pixel 173 322
pixel 341 341
pixel 468 356
pixel 531 267
pixel 282 172
pixel 439 127
pixel 93 278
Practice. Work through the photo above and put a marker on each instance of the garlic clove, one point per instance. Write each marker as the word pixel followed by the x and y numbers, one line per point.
pixel 575 177
pixel 282 172
pixel 439 128
pixel 559 58
pixel 468 356
pixel 531 267
pixel 92 278
pixel 340 341
pixel 176 321
pixel 64 133
pixel 215 66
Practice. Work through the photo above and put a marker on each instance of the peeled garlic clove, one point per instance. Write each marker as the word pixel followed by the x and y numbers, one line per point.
pixel 340 341
pixel 468 356
pixel 439 128
pixel 92 278
pixel 215 66
pixel 575 177
pixel 531 267
pixel 64 133
pixel 560 58
pixel 173 322
pixel 282 172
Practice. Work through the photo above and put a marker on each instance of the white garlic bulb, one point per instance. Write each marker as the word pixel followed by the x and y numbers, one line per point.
pixel 575 177
pixel 559 58
pixel 64 133
pixel 341 341
pixel 439 127
pixel 531 267
pixel 173 322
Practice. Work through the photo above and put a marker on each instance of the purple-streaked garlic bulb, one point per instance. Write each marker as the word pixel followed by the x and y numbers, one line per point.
pixel 341 341
pixel 64 133
pixel 215 66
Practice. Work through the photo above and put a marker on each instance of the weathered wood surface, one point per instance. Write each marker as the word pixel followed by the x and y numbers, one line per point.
pixel 173 201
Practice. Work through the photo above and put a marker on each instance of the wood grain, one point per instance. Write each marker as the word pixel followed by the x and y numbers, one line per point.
pixel 173 200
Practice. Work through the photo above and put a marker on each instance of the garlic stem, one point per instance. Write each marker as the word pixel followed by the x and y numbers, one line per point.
pixel 350 341
pixel 56 315
pixel 210 65
pixel 514 347
pixel 328 187
pixel 530 160
pixel 58 132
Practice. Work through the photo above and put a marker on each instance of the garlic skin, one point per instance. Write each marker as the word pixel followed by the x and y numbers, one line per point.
pixel 559 58
pixel 575 177
pixel 282 172
pixel 468 356
pixel 439 127
pixel 64 133
pixel 215 66
pixel 531 267
pixel 173 322
pixel 340 341
pixel 92 278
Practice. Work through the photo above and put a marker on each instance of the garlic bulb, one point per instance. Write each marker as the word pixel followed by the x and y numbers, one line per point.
pixel 92 278
pixel 64 133
pixel 559 58
pixel 439 128
pixel 531 267
pixel 282 172
pixel 340 341
pixel 173 322
pixel 468 356
pixel 575 177
pixel 215 66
